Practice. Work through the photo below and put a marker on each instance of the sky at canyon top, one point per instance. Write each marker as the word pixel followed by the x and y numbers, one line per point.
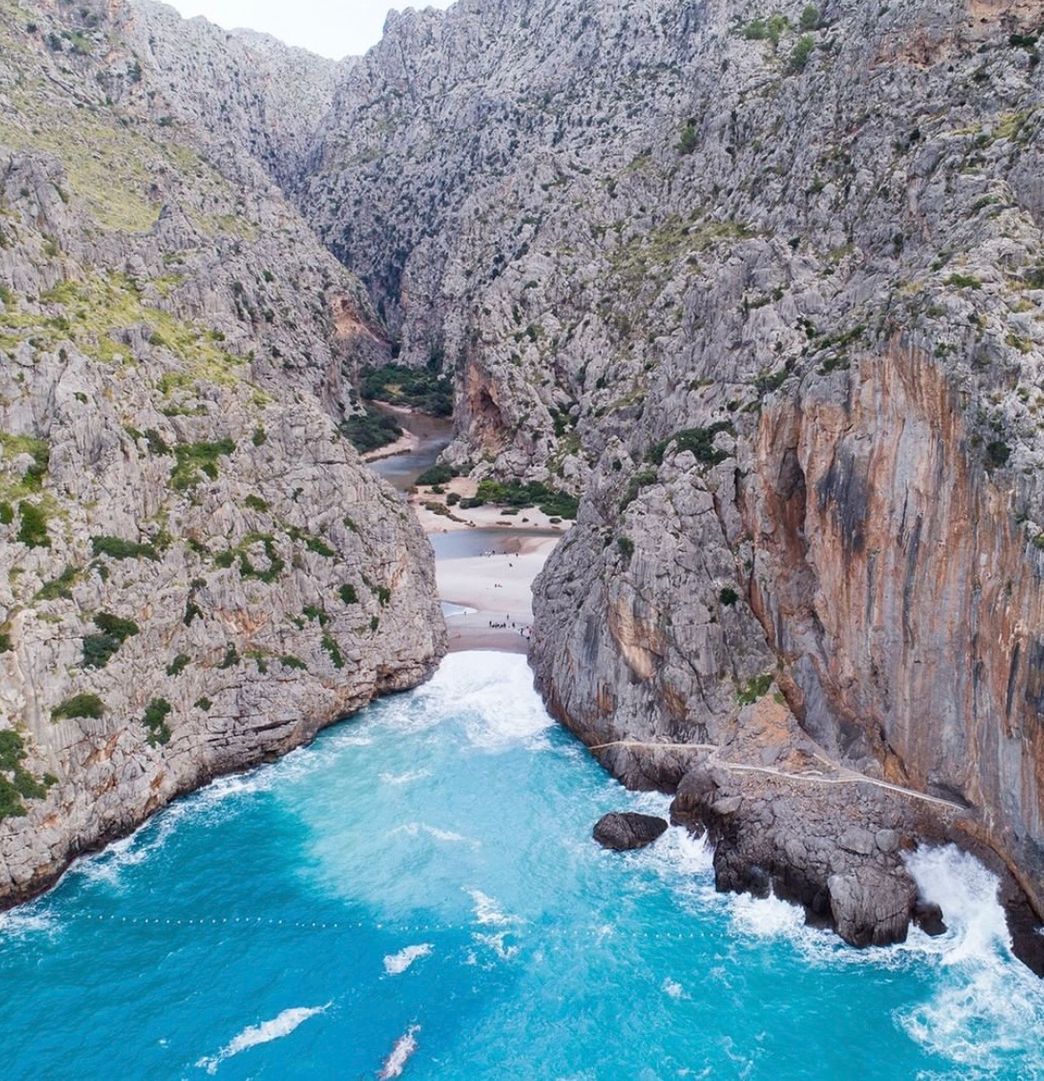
pixel 333 28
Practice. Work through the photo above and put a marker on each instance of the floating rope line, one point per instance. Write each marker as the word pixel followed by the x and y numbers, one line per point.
pixel 253 922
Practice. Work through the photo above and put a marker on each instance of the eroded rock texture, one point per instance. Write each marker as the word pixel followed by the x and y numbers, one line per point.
pixel 197 572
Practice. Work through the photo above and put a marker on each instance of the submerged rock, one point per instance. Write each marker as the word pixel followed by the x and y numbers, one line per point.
pixel 624 830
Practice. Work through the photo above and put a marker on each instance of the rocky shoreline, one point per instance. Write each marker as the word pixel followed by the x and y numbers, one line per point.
pixel 814 837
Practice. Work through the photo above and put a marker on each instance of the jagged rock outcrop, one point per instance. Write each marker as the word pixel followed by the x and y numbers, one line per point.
pixel 197 571
pixel 765 286
pixel 835 848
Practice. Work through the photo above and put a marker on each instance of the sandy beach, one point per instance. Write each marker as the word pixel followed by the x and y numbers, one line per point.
pixel 486 558
pixel 497 586
pixel 498 590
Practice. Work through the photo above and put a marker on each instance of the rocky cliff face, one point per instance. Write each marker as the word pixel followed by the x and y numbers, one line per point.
pixel 766 287
pixel 197 571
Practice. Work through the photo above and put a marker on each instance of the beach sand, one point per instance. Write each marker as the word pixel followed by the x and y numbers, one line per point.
pixel 487 517
pixel 499 589
pixel 495 589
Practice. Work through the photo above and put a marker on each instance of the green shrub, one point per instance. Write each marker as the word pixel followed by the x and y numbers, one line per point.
pixel 335 654
pixel 11 805
pixel 998 453
pixel 728 596
pixel 383 595
pixel 260 437
pixel 436 474
pixel 193 459
pixel 12 749
pixel 964 281
pixel 642 479
pixel 315 614
pixel 32 531
pixel 60 587
pixel 98 649
pixel 348 594
pixel 118 627
pixel 204 704
pixel 178 665
pixel 275 568
pixel 1023 41
pixel 256 503
pixel 290 661
pixel 80 705
pixel 626 545
pixel 689 139
pixel 5 642
pixel 802 51
pixel 698 440
pixel 810 18
pixel 550 501
pixel 23 785
pixel 157 444
pixel 420 388
pixel 320 547
pixel 118 548
pixel 231 658
pixel 770 29
pixel 155 720
pixel 755 689
pixel 6 514
pixel 370 430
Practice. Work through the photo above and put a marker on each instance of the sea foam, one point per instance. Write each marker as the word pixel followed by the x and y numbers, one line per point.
pixel 988 1009
pixel 397 963
pixel 497 702
pixel 404 1047
pixel 265 1032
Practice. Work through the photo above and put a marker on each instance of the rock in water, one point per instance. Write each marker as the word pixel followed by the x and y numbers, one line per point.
pixel 624 830
pixel 929 917
pixel 871 907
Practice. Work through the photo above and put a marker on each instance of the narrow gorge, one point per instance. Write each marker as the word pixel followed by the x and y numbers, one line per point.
pixel 755 295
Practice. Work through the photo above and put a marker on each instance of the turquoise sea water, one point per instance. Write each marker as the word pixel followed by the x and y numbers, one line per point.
pixel 417 894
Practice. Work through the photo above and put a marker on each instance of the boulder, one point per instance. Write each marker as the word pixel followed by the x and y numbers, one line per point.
pixel 929 917
pixel 870 906
pixel 624 830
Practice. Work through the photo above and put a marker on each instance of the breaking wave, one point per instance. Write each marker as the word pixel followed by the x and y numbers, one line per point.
pixel 265 1032
pixel 396 963
pixel 404 1047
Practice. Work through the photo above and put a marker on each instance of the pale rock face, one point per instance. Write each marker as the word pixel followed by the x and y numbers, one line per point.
pixel 197 571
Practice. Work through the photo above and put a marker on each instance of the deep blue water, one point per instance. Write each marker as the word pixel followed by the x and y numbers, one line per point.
pixel 418 891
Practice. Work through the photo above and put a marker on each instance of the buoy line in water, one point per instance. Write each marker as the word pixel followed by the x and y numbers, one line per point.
pixel 253 922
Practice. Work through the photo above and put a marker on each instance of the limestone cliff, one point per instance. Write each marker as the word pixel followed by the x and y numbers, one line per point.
pixel 763 287
pixel 766 287
pixel 198 573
